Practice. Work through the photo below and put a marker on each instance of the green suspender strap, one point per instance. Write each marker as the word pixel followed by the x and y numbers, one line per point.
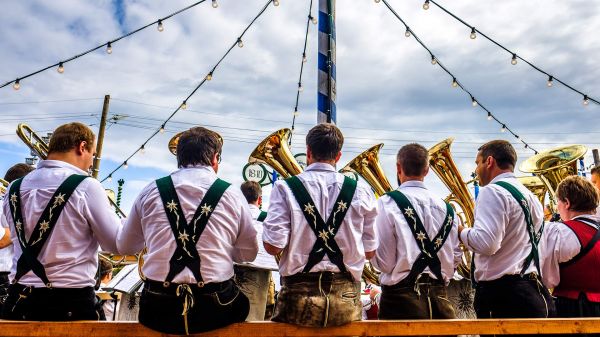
pixel 262 216
pixel 429 249
pixel 325 232
pixel 534 237
pixel 31 248
pixel 187 234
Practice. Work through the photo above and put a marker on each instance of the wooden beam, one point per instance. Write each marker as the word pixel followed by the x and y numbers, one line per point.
pixel 271 329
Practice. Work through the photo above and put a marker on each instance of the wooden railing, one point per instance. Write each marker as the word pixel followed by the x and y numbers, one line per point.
pixel 270 329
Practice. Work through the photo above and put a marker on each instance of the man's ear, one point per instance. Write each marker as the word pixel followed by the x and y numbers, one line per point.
pixel 490 161
pixel 567 204
pixel 82 147
pixel 338 156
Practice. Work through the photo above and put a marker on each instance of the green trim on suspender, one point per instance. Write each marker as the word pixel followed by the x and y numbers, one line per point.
pixel 43 229
pixel 429 249
pixel 262 216
pixel 534 238
pixel 325 232
pixel 187 234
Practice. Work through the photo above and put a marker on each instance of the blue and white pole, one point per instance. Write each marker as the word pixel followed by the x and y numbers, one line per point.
pixel 326 78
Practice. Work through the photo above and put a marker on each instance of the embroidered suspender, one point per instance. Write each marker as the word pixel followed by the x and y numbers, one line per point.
pixel 43 229
pixel 187 234
pixel 429 249
pixel 325 232
pixel 534 237
pixel 262 216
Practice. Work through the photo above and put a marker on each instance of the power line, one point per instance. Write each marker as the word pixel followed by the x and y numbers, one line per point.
pixel 455 83
pixel 514 55
pixel 208 77
pixel 17 82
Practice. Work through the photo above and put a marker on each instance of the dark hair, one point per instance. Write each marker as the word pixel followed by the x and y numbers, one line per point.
pixel 106 268
pixel 325 141
pixel 17 171
pixel 414 159
pixel 502 151
pixel 582 194
pixel 198 146
pixel 68 136
pixel 595 170
pixel 251 190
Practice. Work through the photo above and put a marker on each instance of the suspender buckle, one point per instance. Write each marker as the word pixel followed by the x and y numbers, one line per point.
pixel 201 284
pixel 166 284
pixel 49 285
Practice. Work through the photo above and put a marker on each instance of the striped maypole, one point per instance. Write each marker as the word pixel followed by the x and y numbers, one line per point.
pixel 326 78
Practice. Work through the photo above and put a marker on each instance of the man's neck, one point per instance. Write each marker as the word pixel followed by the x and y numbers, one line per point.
pixel 67 157
pixel 329 162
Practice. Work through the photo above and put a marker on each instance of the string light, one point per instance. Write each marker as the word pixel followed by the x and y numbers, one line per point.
pixel 426 5
pixel 433 60
pixel 209 76
pixel 215 4
pixel 275 2
pixel 473 101
pixel 550 80
pixel 503 128
pixel 473 34
pixel 61 68
pixel 300 88
pixel 109 178
pixel 586 100
pixel 513 61
pixel 160 26
pixel 17 84
pixel 240 43
pixel 162 129
pixel 125 166
pixel 377 1
pixel 183 105
pixel 109 48
pixel 489 116
pixel 143 149
pixel 407 32
pixel 454 83
pixel 304 58
pixel 296 113
pixel 313 19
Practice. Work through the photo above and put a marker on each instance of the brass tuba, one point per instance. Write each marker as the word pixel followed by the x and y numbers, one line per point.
pixel 554 165
pixel 275 152
pixel 3 186
pixel 368 167
pixel 440 160
pixel 535 185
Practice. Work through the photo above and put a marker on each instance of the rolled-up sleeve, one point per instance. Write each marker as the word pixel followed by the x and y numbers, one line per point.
pixel 369 211
pixel 101 217
pixel 130 239
pixel 277 225
pixel 385 256
pixel 490 223
pixel 246 245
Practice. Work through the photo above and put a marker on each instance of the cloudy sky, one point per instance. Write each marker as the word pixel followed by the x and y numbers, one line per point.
pixel 388 90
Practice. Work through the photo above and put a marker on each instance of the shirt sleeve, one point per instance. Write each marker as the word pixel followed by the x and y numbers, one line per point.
pixel 246 245
pixel 491 217
pixel 101 217
pixel 369 236
pixel 277 225
pixel 458 252
pixel 385 256
pixel 130 239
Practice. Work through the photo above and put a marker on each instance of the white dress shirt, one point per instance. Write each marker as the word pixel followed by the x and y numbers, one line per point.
pixel 229 235
pixel 561 245
pixel 286 227
pixel 398 249
pixel 70 256
pixel 6 253
pixel 499 235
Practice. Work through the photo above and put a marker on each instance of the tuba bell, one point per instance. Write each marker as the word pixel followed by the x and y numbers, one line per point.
pixel 554 165
pixel 368 167
pixel 440 160
pixel 275 152
pixel 3 186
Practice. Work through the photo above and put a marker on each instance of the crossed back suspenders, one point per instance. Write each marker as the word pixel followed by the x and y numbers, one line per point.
pixel 262 216
pixel 584 250
pixel 41 232
pixel 187 234
pixel 429 248
pixel 324 231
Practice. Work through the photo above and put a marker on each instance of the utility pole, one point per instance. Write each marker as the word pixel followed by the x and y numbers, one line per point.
pixel 100 141
pixel 327 87
pixel 596 157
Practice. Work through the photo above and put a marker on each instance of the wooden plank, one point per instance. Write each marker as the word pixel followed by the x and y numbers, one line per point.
pixel 271 329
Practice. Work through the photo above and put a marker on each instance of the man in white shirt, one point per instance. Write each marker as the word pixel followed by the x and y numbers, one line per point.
pixel 323 224
pixel 59 216
pixel 418 244
pixel 254 282
pixel 194 228
pixel 504 238
pixel 6 249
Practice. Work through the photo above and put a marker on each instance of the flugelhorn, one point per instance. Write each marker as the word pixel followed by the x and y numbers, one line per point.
pixel 441 162
pixel 39 146
pixel 275 152
pixel 368 167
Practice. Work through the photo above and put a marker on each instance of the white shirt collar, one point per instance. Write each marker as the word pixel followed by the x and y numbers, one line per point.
pixel 503 176
pixel 60 164
pixel 253 207
pixel 320 167
pixel 208 169
pixel 413 183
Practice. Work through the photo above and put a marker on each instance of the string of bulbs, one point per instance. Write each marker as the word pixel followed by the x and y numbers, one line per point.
pixel 183 105
pixel 60 66
pixel 455 83
pixel 514 56
pixel 300 88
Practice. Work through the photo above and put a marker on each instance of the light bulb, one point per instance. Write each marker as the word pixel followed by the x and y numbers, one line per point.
pixel 215 4
pixel 426 5
pixel 473 34
pixel 473 101
pixel 454 83
pixel 503 128
pixel 61 68
pixel 183 105
pixel 17 85
pixel 125 166
pixel 300 87
pixel 275 2
pixel 586 100
pixel 160 26
pixel 109 178
pixel 143 149
pixel 296 112
pixel 109 48
pixel 303 57
pixel 526 146
pixel 433 60
pixel 513 61
pixel 209 76
pixel 489 117
pixel 240 43
pixel 162 129
pixel 314 20
pixel 377 1
pixel 407 32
